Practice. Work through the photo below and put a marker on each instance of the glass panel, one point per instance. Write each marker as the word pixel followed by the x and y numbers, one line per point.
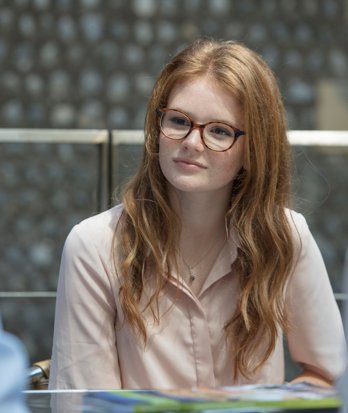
pixel 31 320
pixel 321 193
pixel 45 190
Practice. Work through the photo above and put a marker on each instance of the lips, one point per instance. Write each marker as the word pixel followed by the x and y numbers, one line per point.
pixel 188 162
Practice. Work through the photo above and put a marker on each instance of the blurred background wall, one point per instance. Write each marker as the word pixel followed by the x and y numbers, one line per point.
pixel 92 64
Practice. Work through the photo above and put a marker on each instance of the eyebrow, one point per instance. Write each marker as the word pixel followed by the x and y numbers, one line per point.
pixel 212 120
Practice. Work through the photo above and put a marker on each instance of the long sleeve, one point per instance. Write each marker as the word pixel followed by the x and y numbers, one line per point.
pixel 85 349
pixel 316 337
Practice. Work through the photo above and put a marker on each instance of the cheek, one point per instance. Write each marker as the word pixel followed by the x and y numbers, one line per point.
pixel 164 153
pixel 162 148
pixel 231 163
pixel 227 173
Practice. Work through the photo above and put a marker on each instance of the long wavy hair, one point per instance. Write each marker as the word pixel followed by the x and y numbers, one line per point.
pixel 148 231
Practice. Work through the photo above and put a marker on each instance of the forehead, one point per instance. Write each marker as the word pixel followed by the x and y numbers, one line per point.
pixel 204 99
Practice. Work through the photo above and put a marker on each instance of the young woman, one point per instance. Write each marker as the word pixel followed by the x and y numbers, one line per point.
pixel 196 276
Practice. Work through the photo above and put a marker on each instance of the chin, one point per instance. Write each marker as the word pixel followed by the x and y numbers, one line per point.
pixel 193 189
pixel 187 186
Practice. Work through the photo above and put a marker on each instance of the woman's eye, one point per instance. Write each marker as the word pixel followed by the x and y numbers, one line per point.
pixel 179 121
pixel 221 131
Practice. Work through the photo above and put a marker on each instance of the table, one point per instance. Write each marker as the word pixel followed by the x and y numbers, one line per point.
pixel 44 401
pixel 71 401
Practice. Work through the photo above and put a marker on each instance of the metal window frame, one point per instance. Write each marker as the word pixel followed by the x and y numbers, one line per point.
pixel 323 138
pixel 99 137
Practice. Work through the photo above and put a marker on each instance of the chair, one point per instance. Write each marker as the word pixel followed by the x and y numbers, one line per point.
pixel 39 374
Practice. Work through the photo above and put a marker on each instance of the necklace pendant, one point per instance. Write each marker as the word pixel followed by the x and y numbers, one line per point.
pixel 192 277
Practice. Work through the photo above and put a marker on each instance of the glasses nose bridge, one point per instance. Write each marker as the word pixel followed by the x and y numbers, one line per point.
pixel 198 126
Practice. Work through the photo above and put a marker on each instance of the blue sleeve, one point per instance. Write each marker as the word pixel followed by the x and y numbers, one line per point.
pixel 13 368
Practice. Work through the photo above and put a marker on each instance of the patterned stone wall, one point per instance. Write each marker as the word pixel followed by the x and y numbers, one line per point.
pixel 92 64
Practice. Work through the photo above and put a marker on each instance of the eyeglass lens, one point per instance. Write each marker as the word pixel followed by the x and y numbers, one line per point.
pixel 216 136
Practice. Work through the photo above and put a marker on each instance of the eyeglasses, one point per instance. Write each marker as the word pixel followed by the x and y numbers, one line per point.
pixel 217 136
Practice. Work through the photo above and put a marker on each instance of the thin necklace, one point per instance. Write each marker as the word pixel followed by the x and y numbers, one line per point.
pixel 192 276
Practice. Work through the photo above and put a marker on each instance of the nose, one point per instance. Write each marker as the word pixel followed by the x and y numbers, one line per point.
pixel 194 140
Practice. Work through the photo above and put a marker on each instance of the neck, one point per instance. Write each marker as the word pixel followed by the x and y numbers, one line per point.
pixel 200 213
pixel 203 230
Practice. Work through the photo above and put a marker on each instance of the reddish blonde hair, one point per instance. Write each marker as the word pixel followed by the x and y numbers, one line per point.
pixel 148 230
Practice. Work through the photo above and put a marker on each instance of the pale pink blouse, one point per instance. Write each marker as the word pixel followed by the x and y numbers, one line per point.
pixel 95 348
